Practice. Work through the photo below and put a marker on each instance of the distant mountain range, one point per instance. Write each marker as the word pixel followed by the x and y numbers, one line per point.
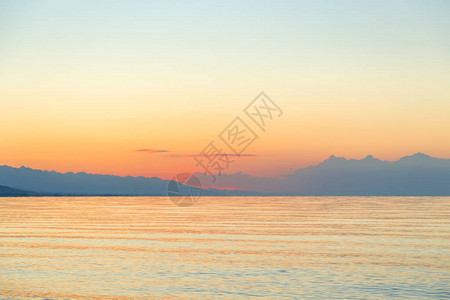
pixel 51 183
pixel 415 175
pixel 6 191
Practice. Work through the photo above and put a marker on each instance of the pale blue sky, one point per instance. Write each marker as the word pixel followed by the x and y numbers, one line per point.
pixel 272 33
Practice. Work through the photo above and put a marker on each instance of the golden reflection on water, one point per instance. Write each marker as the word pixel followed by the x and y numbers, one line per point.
pixel 225 247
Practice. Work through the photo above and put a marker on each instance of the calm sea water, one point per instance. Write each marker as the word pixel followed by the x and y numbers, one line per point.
pixel 234 247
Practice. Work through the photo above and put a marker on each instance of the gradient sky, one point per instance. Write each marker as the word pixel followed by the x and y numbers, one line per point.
pixel 85 84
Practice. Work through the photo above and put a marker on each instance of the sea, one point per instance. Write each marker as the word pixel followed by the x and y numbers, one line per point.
pixel 225 248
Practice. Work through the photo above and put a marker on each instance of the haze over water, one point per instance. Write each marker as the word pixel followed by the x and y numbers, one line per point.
pixel 225 247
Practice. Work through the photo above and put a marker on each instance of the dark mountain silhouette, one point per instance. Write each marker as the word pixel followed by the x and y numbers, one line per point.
pixel 415 175
pixel 80 184
pixel 6 191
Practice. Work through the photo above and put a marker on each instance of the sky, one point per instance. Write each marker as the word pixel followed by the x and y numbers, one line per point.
pixel 86 85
